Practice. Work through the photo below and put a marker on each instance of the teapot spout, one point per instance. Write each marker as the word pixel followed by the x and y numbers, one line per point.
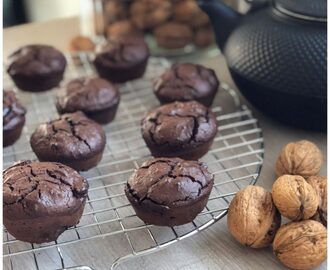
pixel 223 19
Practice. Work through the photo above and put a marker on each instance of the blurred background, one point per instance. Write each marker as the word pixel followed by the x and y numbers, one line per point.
pixel 171 27
pixel 23 11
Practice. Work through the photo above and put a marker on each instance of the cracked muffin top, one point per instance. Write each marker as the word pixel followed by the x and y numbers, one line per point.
pixel 13 111
pixel 34 60
pixel 87 94
pixel 169 181
pixel 179 124
pixel 72 136
pixel 38 189
pixel 185 82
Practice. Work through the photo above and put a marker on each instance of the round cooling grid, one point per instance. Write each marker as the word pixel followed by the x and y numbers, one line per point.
pixel 109 230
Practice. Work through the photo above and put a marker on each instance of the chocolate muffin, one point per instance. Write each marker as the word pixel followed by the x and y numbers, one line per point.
pixel 36 67
pixel 179 129
pixel 187 11
pixel 169 191
pixel 13 118
pixel 73 139
pixel 173 35
pixel 122 59
pixel 185 82
pixel 41 200
pixel 147 14
pixel 97 98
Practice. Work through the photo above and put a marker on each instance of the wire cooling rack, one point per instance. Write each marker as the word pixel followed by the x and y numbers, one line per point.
pixel 109 232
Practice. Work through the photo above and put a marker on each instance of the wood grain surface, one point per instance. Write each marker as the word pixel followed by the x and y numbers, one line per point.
pixel 214 248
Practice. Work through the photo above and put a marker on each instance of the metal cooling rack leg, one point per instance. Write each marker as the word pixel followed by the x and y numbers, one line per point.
pixel 128 257
pixel 232 93
pixel 178 238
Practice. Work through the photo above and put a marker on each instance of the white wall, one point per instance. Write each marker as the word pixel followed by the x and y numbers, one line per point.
pixel 44 10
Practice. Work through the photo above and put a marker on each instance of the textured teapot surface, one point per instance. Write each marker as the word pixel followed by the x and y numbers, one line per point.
pixel 280 53
pixel 277 56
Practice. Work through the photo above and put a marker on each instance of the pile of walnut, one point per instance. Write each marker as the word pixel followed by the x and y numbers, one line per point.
pixel 254 215
pixel 174 23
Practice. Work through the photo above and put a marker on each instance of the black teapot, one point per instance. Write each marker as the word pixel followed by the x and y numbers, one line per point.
pixel 277 56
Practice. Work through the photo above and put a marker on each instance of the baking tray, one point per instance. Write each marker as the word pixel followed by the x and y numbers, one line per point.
pixel 109 232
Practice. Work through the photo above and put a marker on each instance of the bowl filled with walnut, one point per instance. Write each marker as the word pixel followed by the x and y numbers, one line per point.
pixel 171 27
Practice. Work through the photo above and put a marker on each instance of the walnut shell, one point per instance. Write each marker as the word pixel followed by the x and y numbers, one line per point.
pixel 122 28
pixel 301 245
pixel 147 14
pixel 319 183
pixel 81 43
pixel 299 158
pixel 114 10
pixel 253 218
pixel 188 11
pixel 294 197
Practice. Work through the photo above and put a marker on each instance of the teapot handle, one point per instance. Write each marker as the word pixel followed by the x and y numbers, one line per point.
pixel 257 4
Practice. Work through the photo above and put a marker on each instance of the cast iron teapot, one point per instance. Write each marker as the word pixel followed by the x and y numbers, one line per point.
pixel 277 56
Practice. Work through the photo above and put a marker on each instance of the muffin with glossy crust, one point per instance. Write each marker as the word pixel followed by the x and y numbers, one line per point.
pixel 73 139
pixel 186 82
pixel 41 200
pixel 36 68
pixel 179 129
pixel 97 98
pixel 13 118
pixel 122 59
pixel 169 191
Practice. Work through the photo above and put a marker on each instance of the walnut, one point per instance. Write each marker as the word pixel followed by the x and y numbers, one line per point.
pixel 114 10
pixel 294 197
pixel 299 158
pixel 81 43
pixel 319 183
pixel 147 14
pixel 122 28
pixel 253 218
pixel 301 245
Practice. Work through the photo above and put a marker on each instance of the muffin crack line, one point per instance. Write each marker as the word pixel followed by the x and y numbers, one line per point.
pixel 75 134
pixel 167 175
pixel 155 122
pixel 72 132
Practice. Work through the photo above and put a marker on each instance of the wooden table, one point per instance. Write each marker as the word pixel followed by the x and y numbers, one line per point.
pixel 213 248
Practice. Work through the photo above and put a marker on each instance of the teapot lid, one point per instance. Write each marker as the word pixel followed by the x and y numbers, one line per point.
pixel 312 10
